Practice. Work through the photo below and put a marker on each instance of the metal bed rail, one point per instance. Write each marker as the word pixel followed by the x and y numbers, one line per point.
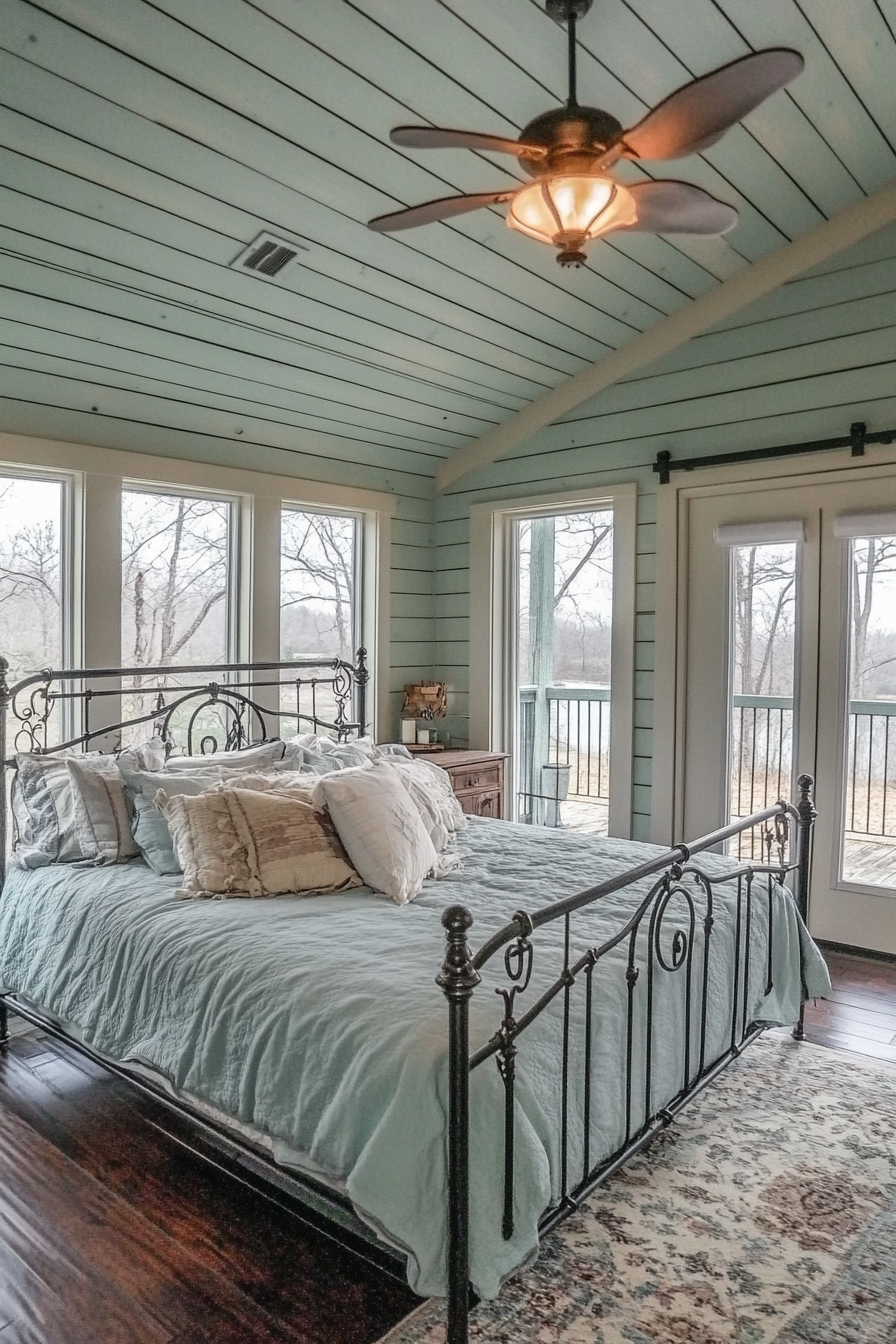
pixel 650 950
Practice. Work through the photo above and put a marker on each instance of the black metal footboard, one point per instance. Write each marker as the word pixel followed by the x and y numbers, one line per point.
pixel 651 947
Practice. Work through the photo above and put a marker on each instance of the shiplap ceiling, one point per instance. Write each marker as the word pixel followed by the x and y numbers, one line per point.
pixel 145 144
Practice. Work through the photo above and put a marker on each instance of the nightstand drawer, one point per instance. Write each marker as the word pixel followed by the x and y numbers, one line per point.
pixel 487 804
pixel 465 778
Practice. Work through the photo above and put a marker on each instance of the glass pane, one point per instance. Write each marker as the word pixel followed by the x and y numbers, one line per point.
pixel 318 595
pixel 30 574
pixel 869 842
pixel 762 682
pixel 175 556
pixel 565 605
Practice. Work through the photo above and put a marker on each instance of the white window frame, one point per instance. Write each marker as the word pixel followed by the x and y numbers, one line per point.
pixel 69 549
pixel 673 502
pixel 98 476
pixel 492 717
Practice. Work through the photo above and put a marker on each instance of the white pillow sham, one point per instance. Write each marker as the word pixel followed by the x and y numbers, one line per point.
pixel 51 823
pixel 381 828
pixel 102 820
pixel 431 790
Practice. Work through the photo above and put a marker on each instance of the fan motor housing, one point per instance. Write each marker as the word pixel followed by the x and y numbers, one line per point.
pixel 574 138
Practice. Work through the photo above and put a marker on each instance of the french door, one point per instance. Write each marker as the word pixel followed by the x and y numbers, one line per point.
pixel 788 649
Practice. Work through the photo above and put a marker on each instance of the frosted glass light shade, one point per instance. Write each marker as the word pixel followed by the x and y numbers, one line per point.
pixel 568 211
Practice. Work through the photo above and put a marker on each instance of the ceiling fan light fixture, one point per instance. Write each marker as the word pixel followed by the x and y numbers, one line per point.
pixel 568 211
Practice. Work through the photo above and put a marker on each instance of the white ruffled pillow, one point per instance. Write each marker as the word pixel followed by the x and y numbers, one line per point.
pixel 381 828
pixel 431 790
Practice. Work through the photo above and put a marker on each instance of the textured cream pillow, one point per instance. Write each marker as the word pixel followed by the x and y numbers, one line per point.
pixel 233 841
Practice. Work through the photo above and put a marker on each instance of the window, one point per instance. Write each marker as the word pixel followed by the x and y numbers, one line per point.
pixel 868 848
pixel 572 555
pixel 175 579
pixel 318 584
pixel 763 675
pixel 564 603
pixel 33 597
pixel 176 596
pixel 319 591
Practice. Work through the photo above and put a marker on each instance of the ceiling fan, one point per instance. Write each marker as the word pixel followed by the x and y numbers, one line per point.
pixel 570 150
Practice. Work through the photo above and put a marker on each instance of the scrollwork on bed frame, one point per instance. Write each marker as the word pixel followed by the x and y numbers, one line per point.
pixel 325 695
pixel 674 931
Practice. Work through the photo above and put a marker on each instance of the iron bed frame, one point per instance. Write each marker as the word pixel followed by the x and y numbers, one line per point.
pixel 649 947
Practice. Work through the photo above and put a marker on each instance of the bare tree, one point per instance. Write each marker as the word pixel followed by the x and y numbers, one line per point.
pixel 174 578
pixel 764 579
pixel 30 598
pixel 317 576
pixel 872 559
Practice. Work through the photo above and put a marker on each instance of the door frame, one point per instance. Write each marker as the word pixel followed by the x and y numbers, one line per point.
pixel 492 717
pixel 671 633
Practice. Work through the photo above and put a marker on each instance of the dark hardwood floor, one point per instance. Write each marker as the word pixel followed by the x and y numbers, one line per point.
pixel 112 1233
pixel 859 1013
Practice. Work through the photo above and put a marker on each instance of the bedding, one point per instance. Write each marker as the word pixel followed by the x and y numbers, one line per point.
pixel 243 758
pixel 43 807
pixel 316 1023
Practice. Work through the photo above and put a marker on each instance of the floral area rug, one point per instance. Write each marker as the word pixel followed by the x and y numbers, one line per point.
pixel 767 1212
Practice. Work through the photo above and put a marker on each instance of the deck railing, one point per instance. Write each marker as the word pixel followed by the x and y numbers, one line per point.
pixel 761 760
pixel 577 764
pixel 761 756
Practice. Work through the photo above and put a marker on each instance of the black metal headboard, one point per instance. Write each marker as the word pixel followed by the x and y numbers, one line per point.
pixel 51 711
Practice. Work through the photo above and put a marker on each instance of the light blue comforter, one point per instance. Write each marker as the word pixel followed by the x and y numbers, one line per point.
pixel 317 1021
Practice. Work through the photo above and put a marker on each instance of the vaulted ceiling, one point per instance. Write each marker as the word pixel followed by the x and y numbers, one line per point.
pixel 145 144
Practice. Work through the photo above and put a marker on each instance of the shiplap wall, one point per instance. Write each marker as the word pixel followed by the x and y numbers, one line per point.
pixel 801 364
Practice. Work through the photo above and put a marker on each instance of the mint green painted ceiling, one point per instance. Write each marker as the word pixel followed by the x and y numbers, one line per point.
pixel 144 145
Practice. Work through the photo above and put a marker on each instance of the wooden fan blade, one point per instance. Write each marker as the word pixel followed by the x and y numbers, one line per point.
pixel 677 207
pixel 697 115
pixel 437 137
pixel 430 211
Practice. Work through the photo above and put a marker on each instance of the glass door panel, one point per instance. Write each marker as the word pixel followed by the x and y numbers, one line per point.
pixel 564 602
pixel 868 840
pixel 761 699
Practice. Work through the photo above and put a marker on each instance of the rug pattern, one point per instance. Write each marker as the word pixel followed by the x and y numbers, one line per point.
pixel 767 1212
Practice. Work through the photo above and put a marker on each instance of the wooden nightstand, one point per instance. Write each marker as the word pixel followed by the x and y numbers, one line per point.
pixel 477 778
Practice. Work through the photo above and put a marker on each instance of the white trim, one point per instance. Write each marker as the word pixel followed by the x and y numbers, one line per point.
pixel 491 717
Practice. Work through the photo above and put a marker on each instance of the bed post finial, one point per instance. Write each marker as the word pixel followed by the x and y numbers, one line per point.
pixel 362 677
pixel 457 980
pixel 806 814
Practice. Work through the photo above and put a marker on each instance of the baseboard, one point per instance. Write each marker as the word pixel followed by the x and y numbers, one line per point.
pixel 848 950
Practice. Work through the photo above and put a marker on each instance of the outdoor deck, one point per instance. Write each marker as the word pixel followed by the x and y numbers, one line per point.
pixel 870 862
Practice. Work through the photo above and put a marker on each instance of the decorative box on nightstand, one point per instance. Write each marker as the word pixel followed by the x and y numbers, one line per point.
pixel 477 778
